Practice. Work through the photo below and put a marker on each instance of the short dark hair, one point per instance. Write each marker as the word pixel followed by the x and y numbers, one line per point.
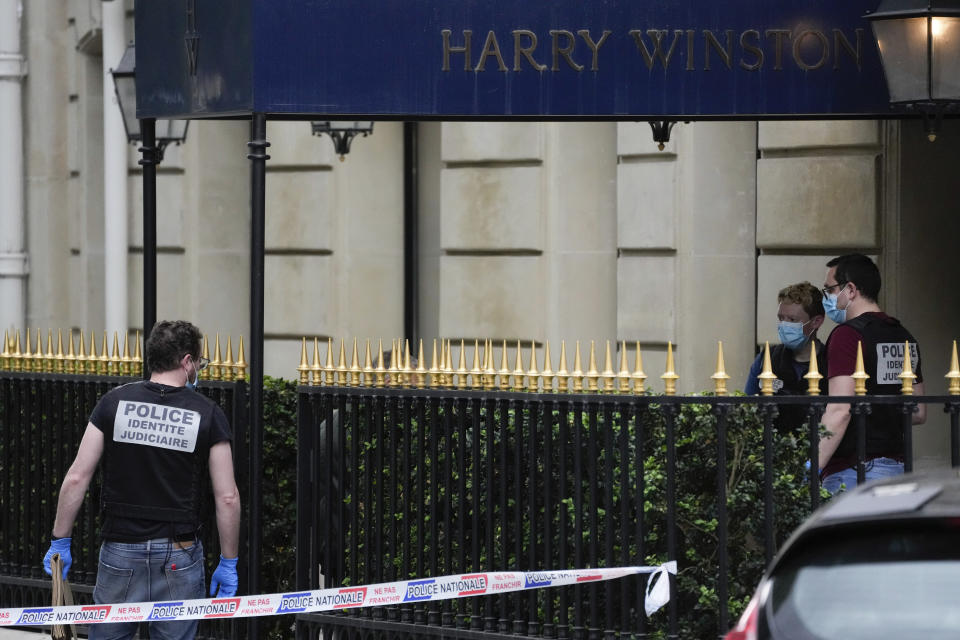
pixel 169 341
pixel 861 271
pixel 804 294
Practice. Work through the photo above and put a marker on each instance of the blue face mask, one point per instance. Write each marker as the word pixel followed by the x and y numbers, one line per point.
pixel 830 307
pixel 791 334
pixel 193 385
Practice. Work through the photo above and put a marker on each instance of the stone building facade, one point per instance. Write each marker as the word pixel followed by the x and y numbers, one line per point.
pixel 534 231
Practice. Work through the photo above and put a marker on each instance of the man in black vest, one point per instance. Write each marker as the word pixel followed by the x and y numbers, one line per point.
pixel 156 439
pixel 850 294
pixel 799 315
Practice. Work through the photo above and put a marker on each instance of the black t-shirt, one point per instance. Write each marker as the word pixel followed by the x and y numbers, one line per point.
pixel 157 442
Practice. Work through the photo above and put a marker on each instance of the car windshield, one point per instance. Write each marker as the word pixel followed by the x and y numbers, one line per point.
pixel 899 582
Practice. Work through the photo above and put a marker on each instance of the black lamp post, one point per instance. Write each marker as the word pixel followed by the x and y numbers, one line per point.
pixel 919 42
pixel 153 140
pixel 342 133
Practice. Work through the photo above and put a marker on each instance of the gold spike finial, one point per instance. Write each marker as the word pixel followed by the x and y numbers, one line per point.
pixel 304 367
pixel 859 374
pixel 393 371
pixel 907 376
pixel 241 366
pixel 368 371
pixel 113 367
pixel 562 374
pixel 639 377
pixel 330 372
pixel 126 361
pixel 58 358
pixel 380 372
pixel 577 372
pixel 953 376
pixel 720 377
pixel 16 358
pixel 813 376
pixel 593 376
pixel 70 359
pixel 26 364
pixel 205 352
pixel 548 374
pixel 420 373
pixel 504 368
pixel 342 379
pixel 48 356
pixel 608 375
pixel 5 353
pixel 355 365
pixel 316 369
pixel 137 357
pixel 435 377
pixel 766 375
pixel 38 364
pixel 105 364
pixel 489 375
pixel 475 370
pixel 623 376
pixel 406 371
pixel 448 367
pixel 226 366
pixel 669 376
pixel 462 366
pixel 81 356
pixel 216 362
pixel 533 375
pixel 92 357
pixel 518 373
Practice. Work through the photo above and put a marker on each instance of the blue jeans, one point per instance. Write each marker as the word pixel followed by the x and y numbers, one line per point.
pixel 144 572
pixel 876 468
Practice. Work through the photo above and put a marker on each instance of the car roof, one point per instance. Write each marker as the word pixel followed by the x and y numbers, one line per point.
pixel 910 497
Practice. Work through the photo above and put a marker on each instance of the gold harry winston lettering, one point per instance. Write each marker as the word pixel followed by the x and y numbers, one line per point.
pixel 490 47
pixel 565 51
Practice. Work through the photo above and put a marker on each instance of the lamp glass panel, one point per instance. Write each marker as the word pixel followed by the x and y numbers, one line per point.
pixel 173 130
pixel 903 48
pixel 127 95
pixel 945 76
pixel 338 125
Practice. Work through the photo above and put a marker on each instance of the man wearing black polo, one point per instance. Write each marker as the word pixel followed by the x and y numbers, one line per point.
pixel 155 439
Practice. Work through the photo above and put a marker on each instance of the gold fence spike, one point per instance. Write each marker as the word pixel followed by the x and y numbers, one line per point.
pixel 205 353
pixel 26 362
pixel 368 366
pixel 380 371
pixel 114 366
pixel 462 367
pixel 720 377
pixel 907 376
pixel 447 366
pixel 489 373
pixel 813 376
pixel 70 359
pixel 342 378
pixel 563 375
pixel 355 370
pixel 81 356
pixel 38 355
pixel 766 375
pixel 394 370
pixel 316 369
pixel 5 353
pixel 577 372
pixel 126 360
pixel 953 376
pixel 16 358
pixel 548 374
pixel 623 376
pixel 407 369
pixel 608 375
pixel 104 364
pixel 216 363
pixel 137 358
pixel 303 369
pixel 475 369
pixel 533 375
pixel 48 356
pixel 435 377
pixel 226 367
pixel 669 376
pixel 504 368
pixel 639 377
pixel 92 358
pixel 330 374
pixel 58 357
pixel 592 376
pixel 421 370
pixel 518 373
pixel 241 367
pixel 859 374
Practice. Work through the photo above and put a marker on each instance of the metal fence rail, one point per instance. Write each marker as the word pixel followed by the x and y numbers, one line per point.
pixel 42 418
pixel 400 483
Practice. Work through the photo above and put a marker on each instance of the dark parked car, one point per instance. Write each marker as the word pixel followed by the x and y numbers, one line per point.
pixel 882 561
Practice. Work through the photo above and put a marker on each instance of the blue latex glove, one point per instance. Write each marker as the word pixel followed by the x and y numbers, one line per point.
pixel 61 546
pixel 224 578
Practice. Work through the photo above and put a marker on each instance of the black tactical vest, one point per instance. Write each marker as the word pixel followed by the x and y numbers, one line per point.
pixel 792 418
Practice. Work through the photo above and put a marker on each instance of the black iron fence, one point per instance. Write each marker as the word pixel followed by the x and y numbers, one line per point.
pixel 401 483
pixel 42 418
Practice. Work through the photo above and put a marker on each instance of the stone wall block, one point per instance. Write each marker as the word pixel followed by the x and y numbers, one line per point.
pixel 491 141
pixel 645 295
pixel 826 201
pixel 491 297
pixel 170 210
pixel 299 209
pixel 300 297
pixel 491 208
pixel 817 133
pixel 646 205
pixel 293 144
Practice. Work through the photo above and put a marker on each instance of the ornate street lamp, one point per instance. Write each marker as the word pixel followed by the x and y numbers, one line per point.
pixel 342 133
pixel 919 42
pixel 124 81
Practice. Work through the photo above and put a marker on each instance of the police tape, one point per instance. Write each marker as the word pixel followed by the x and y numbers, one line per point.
pixel 373 595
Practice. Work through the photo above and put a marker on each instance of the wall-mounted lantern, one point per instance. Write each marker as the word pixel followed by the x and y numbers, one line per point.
pixel 342 133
